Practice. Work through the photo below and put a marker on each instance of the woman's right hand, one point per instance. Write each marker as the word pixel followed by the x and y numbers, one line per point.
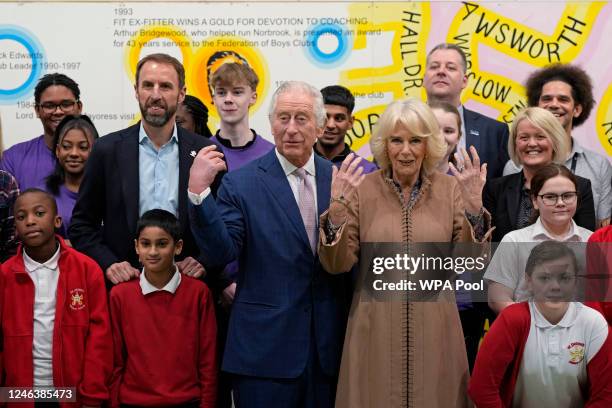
pixel 345 181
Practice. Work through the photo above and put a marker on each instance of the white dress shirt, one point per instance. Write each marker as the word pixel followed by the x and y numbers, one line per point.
pixel 45 276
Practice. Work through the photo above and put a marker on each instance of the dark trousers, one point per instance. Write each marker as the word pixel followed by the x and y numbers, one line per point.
pixel 312 389
pixel 472 322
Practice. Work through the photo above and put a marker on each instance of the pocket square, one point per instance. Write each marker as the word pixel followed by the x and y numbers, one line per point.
pixel 192 153
pixel 474 132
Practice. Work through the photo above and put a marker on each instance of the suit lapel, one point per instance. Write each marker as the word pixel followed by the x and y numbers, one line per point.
pixel 276 182
pixel 472 129
pixel 185 147
pixel 513 195
pixel 324 174
pixel 127 156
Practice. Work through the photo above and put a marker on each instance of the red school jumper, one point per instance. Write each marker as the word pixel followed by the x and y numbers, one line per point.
pixel 499 360
pixel 165 345
pixel 82 343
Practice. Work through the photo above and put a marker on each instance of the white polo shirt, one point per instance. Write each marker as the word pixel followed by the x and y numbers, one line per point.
pixel 553 371
pixel 508 263
pixel 45 278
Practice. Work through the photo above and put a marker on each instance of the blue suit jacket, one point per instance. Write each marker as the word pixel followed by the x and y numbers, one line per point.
pixel 490 138
pixel 285 302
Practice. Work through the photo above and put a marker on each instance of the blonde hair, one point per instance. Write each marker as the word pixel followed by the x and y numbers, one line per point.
pixel 418 119
pixel 546 121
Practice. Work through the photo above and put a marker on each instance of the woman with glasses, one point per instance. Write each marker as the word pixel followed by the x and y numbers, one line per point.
pixel 548 352
pixel 73 141
pixel 536 139
pixel 554 196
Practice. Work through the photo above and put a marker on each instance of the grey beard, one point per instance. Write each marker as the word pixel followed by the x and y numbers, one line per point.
pixel 157 121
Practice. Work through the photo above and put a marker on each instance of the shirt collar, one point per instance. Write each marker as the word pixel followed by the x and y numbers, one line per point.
pixel 340 157
pixel 567 321
pixel 540 232
pixel 170 287
pixel 289 168
pixel 144 138
pixel 576 148
pixel 32 266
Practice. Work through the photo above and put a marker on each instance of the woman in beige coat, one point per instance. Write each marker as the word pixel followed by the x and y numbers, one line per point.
pixel 398 353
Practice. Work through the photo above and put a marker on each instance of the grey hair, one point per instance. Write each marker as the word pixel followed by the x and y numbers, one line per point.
pixel 318 105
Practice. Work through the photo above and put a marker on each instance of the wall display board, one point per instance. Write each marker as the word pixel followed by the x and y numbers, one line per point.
pixel 377 49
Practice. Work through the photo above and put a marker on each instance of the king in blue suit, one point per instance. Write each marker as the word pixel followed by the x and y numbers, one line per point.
pixel 288 318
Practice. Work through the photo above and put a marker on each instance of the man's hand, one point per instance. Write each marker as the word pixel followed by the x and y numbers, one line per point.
pixel 204 169
pixel 121 272
pixel 227 296
pixel 191 267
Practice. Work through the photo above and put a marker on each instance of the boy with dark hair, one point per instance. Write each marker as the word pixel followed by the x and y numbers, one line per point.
pixel 55 327
pixel 164 328
pixel 55 96
pixel 234 88
pixel 339 105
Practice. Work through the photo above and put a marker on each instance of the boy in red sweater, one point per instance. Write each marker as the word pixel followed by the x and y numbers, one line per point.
pixel 164 327
pixel 55 328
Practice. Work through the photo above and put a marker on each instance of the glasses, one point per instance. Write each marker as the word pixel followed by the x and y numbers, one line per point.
pixel 51 107
pixel 552 199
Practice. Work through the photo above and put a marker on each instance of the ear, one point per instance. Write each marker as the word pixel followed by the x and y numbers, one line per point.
pixel 178 248
pixel 181 96
pixel 253 99
pixel 350 121
pixel 136 246
pixel 577 111
pixel 79 108
pixel 535 203
pixel 464 81
pixel 37 110
pixel 57 222
pixel 136 91
pixel 528 283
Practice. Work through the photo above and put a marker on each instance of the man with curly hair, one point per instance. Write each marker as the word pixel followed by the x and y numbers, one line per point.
pixel 567 92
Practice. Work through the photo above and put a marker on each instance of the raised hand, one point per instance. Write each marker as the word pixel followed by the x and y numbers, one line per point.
pixel 345 181
pixel 471 177
pixel 206 165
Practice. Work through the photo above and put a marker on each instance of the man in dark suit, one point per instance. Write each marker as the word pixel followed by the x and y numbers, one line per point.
pixel 444 80
pixel 289 315
pixel 136 169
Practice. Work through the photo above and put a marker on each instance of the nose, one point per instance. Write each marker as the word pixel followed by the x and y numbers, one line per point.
pixel 74 151
pixel 406 150
pixel 292 126
pixel 331 123
pixel 30 219
pixel 555 285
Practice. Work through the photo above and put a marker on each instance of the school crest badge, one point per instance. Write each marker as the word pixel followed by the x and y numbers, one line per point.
pixel 576 352
pixel 77 299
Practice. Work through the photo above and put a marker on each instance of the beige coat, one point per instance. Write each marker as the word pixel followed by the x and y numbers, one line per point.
pixel 400 354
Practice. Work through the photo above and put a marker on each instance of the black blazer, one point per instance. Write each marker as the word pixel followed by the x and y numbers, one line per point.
pixel 104 218
pixel 501 198
pixel 490 138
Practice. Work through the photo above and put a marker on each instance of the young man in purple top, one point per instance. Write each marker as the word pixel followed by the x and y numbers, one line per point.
pixel 55 96
pixel 234 88
pixel 339 104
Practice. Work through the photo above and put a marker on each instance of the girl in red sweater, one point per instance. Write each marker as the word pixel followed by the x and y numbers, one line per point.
pixel 549 351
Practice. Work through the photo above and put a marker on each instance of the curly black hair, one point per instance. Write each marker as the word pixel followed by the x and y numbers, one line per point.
pixel 574 76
